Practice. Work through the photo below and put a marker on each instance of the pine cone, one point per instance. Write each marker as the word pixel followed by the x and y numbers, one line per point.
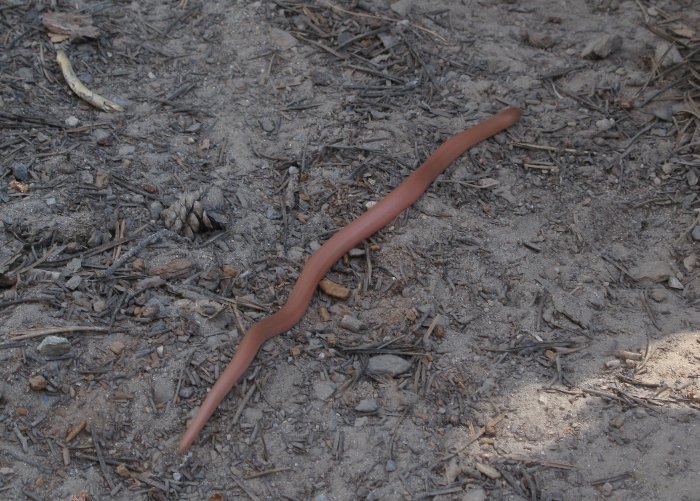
pixel 187 216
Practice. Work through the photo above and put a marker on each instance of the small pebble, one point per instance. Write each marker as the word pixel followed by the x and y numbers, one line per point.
pixel 162 391
pixel 38 382
pixel 391 365
pixel 613 364
pixel 267 125
pixel 351 323
pixel 54 346
pixel 20 171
pixel 605 124
pixel 674 283
pixel 324 389
pixel 186 392
pixel 154 209
pixel 667 55
pixel 273 213
pixel 72 121
pixel 367 405
pixel 74 282
pixel 391 465
pixel 117 347
pixel 695 234
pixel 602 47
pixel 282 39
pixel 402 7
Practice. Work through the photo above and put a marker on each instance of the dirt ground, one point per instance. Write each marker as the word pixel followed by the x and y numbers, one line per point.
pixel 538 307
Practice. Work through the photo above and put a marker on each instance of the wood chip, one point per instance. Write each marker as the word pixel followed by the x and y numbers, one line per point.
pixel 177 268
pixel 334 289
pixel 73 432
pixel 324 314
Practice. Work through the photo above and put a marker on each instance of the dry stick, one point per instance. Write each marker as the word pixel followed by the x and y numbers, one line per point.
pixel 151 239
pixel 104 247
pixel 39 299
pixel 243 403
pixel 242 486
pixel 101 459
pixel 280 469
pixel 46 331
pixel 24 459
pixel 53 250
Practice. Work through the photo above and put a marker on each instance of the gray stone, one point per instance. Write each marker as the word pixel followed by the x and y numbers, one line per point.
pixel 602 47
pixel 162 391
pixel 695 234
pixel 20 171
pixel 267 124
pixel 154 209
pixel 74 282
pixel 388 365
pixel 674 283
pixel 54 346
pixel 324 389
pixel 667 54
pixel 186 392
pixel 100 134
pixel 72 121
pixel 651 271
pixel 272 213
pixel 282 39
pixel 402 7
pixel 390 465
pixel 367 405
pixel 351 323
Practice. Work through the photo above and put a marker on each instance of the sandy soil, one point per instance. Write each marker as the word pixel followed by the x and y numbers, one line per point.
pixel 543 296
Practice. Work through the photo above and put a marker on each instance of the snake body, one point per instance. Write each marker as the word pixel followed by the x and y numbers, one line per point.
pixel 328 254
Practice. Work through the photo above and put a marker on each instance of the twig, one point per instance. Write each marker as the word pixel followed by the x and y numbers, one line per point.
pixel 101 459
pixel 46 331
pixel 240 484
pixel 56 249
pixel 243 403
pixel 280 469
pixel 151 239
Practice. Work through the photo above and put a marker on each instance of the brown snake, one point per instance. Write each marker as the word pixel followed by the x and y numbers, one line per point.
pixel 324 258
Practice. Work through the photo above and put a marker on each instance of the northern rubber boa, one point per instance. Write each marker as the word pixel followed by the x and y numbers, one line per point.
pixel 336 247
